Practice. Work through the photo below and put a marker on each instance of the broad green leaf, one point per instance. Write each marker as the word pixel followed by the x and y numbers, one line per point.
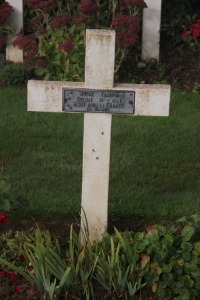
pixel 187 232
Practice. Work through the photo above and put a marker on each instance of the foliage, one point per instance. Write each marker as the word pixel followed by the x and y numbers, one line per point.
pixel 15 73
pixel 163 257
pixel 118 270
pixel 79 272
pixel 5 197
pixel 55 37
pixel 192 36
pixel 170 256
pixel 5 27
pixel 3 61
pixel 175 15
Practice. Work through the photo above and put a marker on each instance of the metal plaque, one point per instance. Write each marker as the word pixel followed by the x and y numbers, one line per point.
pixel 98 101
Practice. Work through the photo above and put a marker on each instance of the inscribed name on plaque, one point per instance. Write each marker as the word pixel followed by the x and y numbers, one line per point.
pixel 105 101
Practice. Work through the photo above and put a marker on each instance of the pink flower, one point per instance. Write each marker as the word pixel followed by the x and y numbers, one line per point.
pixel 25 42
pixel 3 218
pixel 59 21
pixel 126 28
pixel 67 46
pixel 88 7
pixel 2 273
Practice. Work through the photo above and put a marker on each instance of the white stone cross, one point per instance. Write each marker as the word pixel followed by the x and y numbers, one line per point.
pixel 47 96
pixel 13 53
pixel 151 30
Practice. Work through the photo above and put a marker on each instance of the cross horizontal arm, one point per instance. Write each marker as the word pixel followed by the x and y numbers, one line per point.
pixel 150 99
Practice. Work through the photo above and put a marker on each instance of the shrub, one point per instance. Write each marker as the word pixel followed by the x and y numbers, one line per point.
pixel 5 26
pixel 15 73
pixel 175 15
pixel 55 42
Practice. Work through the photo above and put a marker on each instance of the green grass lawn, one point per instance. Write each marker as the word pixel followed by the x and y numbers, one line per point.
pixel 155 162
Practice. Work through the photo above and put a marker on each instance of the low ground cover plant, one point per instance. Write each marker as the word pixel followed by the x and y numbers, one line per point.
pixel 163 258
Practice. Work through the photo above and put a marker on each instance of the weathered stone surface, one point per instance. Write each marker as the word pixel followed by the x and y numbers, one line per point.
pixel 14 53
pixel 47 96
pixel 150 99
pixel 151 30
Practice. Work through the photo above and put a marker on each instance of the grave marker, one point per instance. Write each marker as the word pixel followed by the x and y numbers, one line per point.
pixel 14 53
pixel 99 91
pixel 151 30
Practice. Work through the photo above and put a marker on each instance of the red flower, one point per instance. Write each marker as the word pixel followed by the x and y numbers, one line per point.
pixel 126 28
pixel 88 7
pixel 5 11
pixel 195 29
pixel 14 277
pixel 67 46
pixel 2 273
pixel 3 218
pixel 18 290
pixel 59 21
pixel 21 257
pixel 25 42
pixel 184 35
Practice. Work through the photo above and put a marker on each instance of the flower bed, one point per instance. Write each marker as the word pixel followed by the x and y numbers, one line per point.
pixel 160 262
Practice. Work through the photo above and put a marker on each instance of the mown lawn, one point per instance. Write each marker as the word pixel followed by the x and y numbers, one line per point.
pixel 155 162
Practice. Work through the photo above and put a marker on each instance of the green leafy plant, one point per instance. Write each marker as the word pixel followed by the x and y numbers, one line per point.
pixel 78 273
pixel 5 199
pixel 55 43
pixel 164 258
pixel 15 73
pixel 174 267
pixel 6 27
pixel 192 35
pixel 48 271
pixel 117 268
pixel 175 14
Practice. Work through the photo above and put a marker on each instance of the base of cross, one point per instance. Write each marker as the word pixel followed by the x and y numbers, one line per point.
pixel 98 98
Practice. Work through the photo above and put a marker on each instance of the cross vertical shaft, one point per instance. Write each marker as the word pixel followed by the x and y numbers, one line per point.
pixel 99 74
